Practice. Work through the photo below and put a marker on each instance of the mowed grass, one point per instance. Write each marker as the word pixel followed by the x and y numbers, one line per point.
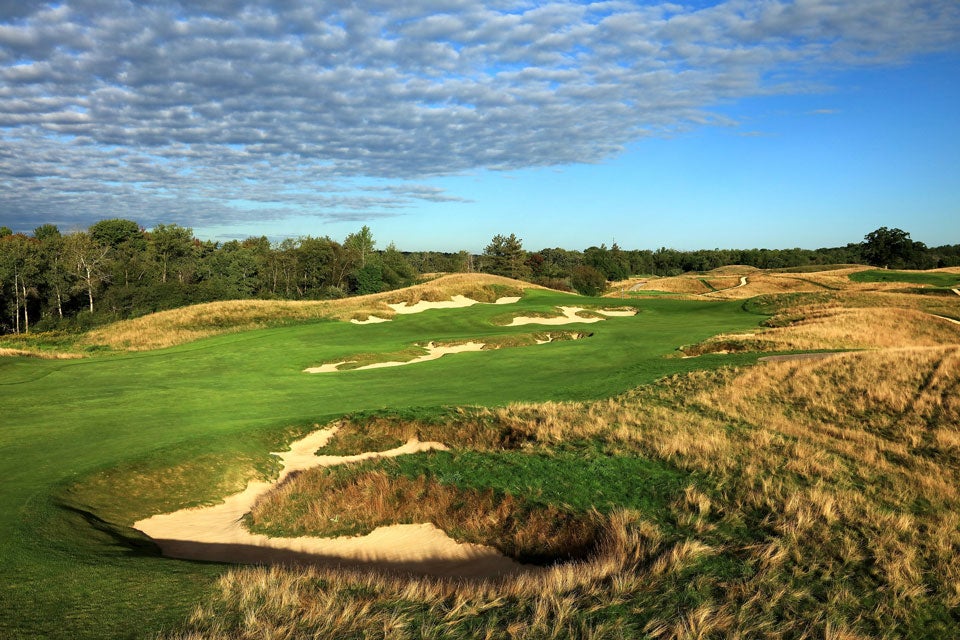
pixel 89 446
pixel 933 279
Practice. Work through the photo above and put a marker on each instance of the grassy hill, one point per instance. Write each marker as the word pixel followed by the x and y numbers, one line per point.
pixel 710 495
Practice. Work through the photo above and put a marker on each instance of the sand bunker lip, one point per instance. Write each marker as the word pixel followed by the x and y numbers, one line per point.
pixel 217 533
pixel 570 316
pixel 433 353
pixel 457 302
pixel 370 320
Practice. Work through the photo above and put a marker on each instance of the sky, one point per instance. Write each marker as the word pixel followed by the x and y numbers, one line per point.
pixel 441 123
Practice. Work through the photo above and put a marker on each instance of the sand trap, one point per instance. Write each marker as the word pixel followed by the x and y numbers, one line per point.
pixel 616 313
pixel 217 533
pixel 569 317
pixel 370 320
pixel 433 353
pixel 457 302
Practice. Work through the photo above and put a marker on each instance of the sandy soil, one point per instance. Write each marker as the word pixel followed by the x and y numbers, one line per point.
pixel 616 313
pixel 569 317
pixel 434 352
pixel 217 533
pixel 457 302
pixel 370 320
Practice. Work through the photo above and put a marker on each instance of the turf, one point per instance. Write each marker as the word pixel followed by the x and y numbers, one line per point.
pixel 941 280
pixel 71 567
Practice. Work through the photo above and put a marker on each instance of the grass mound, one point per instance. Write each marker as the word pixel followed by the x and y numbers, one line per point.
pixel 843 320
pixel 187 324
pixel 357 499
pixel 817 499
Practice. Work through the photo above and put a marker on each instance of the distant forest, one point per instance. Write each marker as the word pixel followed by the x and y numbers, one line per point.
pixel 116 269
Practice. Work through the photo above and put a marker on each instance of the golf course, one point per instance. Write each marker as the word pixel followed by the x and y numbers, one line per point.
pixel 633 465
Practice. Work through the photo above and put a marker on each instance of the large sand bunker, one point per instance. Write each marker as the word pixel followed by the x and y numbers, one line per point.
pixel 217 533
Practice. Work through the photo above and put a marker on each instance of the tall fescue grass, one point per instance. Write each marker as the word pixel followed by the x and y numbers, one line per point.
pixel 823 503
pixel 844 320
pixel 337 501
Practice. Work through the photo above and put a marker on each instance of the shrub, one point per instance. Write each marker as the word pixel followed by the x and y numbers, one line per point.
pixel 587 280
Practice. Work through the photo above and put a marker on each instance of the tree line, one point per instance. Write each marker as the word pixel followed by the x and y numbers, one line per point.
pixel 116 269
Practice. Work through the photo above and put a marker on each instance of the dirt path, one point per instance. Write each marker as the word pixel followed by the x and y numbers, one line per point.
pixel 956 291
pixel 217 533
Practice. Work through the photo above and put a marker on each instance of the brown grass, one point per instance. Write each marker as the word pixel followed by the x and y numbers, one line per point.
pixel 43 355
pixel 827 328
pixel 332 502
pixel 186 324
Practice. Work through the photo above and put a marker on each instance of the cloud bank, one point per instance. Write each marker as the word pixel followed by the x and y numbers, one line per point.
pixel 224 110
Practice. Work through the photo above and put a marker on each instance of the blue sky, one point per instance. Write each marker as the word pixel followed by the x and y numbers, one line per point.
pixel 440 123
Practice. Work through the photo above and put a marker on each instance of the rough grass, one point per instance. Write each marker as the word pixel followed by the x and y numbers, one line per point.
pixel 844 320
pixel 187 324
pixel 943 279
pixel 823 503
pixel 357 499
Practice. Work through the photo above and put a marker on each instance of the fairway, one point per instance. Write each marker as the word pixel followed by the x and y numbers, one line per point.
pixel 72 567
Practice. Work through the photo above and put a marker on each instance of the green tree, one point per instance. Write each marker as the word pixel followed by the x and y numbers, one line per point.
pixel 397 270
pixel 128 245
pixel 360 245
pixel 170 245
pixel 56 274
pixel 587 280
pixel 612 263
pixel 888 248
pixel 504 256
pixel 88 259
pixel 21 261
pixel 369 278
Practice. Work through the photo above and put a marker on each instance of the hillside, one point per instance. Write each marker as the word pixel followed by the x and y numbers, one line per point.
pixel 640 471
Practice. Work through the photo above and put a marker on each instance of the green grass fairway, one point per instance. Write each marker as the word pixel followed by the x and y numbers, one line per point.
pixel 226 401
pixel 942 280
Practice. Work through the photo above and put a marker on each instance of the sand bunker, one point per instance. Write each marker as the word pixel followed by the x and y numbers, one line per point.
pixel 433 352
pixel 217 533
pixel 616 313
pixel 370 320
pixel 457 302
pixel 569 317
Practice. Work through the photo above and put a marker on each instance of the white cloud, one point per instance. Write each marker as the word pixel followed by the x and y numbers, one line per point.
pixel 181 108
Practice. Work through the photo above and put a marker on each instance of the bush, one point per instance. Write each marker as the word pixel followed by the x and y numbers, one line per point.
pixel 588 281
